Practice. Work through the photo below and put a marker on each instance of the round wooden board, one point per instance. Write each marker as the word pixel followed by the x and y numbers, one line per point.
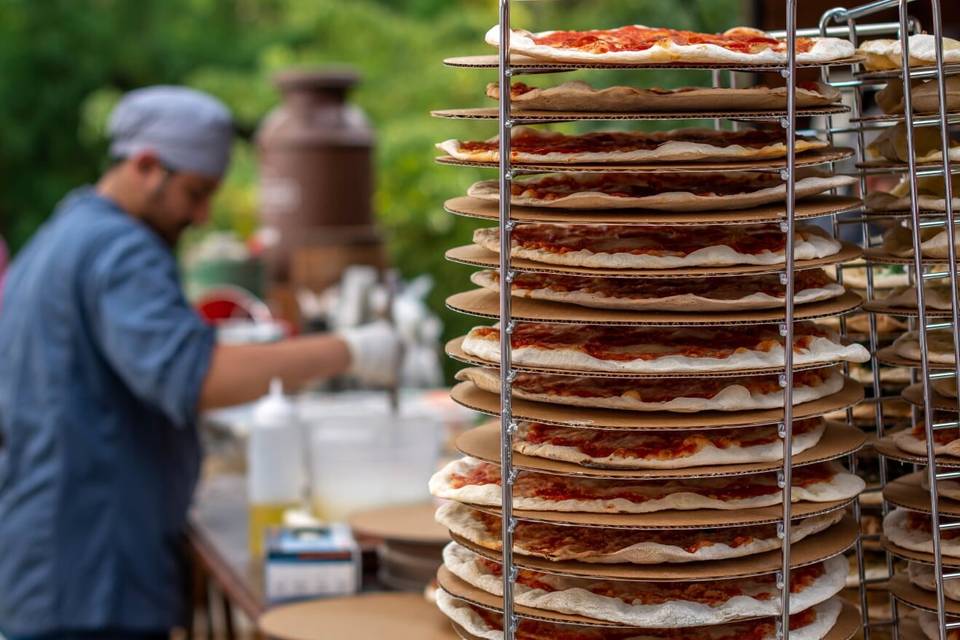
pixel 476 256
pixel 806 159
pixel 411 523
pixel 817 548
pixel 524 64
pixel 472 397
pixel 692 519
pixel 532 116
pixel 914 395
pixel 811 207
pixel 887 448
pixel 917 556
pixel 377 615
pixel 905 591
pixel 485 303
pixel 908 493
pixel 483 443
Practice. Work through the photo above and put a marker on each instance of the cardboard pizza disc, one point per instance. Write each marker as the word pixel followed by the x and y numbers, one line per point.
pixel 907 492
pixel 532 116
pixel 846 626
pixel 810 158
pixel 888 74
pixel 673 519
pixel 879 306
pixel 407 523
pixel 914 395
pixel 524 64
pixel 879 256
pixel 917 556
pixel 812 207
pixel 909 628
pixel 905 591
pixel 477 256
pixel 483 443
pixel 889 356
pixel 485 303
pixel 886 166
pixel 888 449
pixel 812 549
pixel 472 397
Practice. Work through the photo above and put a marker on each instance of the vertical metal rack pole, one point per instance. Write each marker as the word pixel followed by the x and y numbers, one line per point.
pixel 789 124
pixel 923 326
pixel 507 425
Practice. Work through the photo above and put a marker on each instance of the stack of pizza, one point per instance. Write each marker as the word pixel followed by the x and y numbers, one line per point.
pixel 648 364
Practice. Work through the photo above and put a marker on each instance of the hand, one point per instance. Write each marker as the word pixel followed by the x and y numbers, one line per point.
pixel 374 353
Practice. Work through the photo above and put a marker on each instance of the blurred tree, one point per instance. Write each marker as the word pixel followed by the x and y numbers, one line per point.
pixel 63 64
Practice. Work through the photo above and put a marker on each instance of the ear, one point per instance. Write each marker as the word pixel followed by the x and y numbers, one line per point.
pixel 145 162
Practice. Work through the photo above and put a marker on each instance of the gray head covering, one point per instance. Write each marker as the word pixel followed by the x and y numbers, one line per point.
pixel 188 130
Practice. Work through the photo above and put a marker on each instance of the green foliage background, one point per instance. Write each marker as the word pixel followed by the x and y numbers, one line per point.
pixel 63 64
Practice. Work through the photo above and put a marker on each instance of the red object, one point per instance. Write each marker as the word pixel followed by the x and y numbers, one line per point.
pixel 232 303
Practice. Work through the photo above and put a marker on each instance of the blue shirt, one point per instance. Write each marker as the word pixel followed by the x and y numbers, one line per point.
pixel 101 364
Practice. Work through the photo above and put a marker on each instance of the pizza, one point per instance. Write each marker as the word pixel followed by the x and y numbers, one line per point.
pixel 889 376
pixel 930 625
pixel 914 440
pixel 638 44
pixel 579 96
pixel 655 191
pixel 536 146
pixel 476 482
pixel 939 346
pixel 946 387
pixel 597 348
pixel 884 276
pixel 859 323
pixel 731 293
pixel 934 242
pixel 884 54
pixel 891 145
pixel 563 542
pixel 912 530
pixel 922 576
pixel 931 194
pixel 686 395
pixel 662 449
pixel 652 604
pixel 924 96
pixel 608 246
pixel 811 624
pixel 936 296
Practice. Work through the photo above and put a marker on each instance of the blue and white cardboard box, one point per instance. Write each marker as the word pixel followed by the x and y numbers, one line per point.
pixel 311 562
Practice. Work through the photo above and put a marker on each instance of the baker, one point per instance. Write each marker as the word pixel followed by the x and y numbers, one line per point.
pixel 104 367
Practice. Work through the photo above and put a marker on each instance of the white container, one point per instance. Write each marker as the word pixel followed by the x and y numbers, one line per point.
pixel 275 470
pixel 363 456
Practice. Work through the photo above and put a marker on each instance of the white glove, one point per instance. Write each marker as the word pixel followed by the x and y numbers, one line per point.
pixel 374 353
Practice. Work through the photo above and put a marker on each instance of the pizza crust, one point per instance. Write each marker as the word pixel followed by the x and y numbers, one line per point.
pixel 934 242
pixel 820 351
pixel 841 487
pixel 809 243
pixel 935 297
pixel 884 54
pixel 733 398
pixel 946 387
pixel 823 50
pixel 459 519
pixel 922 575
pixel 579 96
pixel 571 596
pixel 682 302
pixel 707 456
pixel 931 194
pixel 939 346
pixel 895 529
pixel 906 441
pixel 924 96
pixel 665 201
pixel 668 151
pixel 891 145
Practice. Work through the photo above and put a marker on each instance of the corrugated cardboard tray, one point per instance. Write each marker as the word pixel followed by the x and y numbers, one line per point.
pixel 877 255
pixel 914 395
pixel 917 556
pixel 907 492
pixel 409 523
pixel 879 306
pixel 812 207
pixel 524 64
pixel 886 447
pixel 904 591
pixel 805 159
pixel 484 443
pixel 525 116
pixel 888 355
pixel 477 256
pixel 485 303
pixel 816 548
pixel 472 397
